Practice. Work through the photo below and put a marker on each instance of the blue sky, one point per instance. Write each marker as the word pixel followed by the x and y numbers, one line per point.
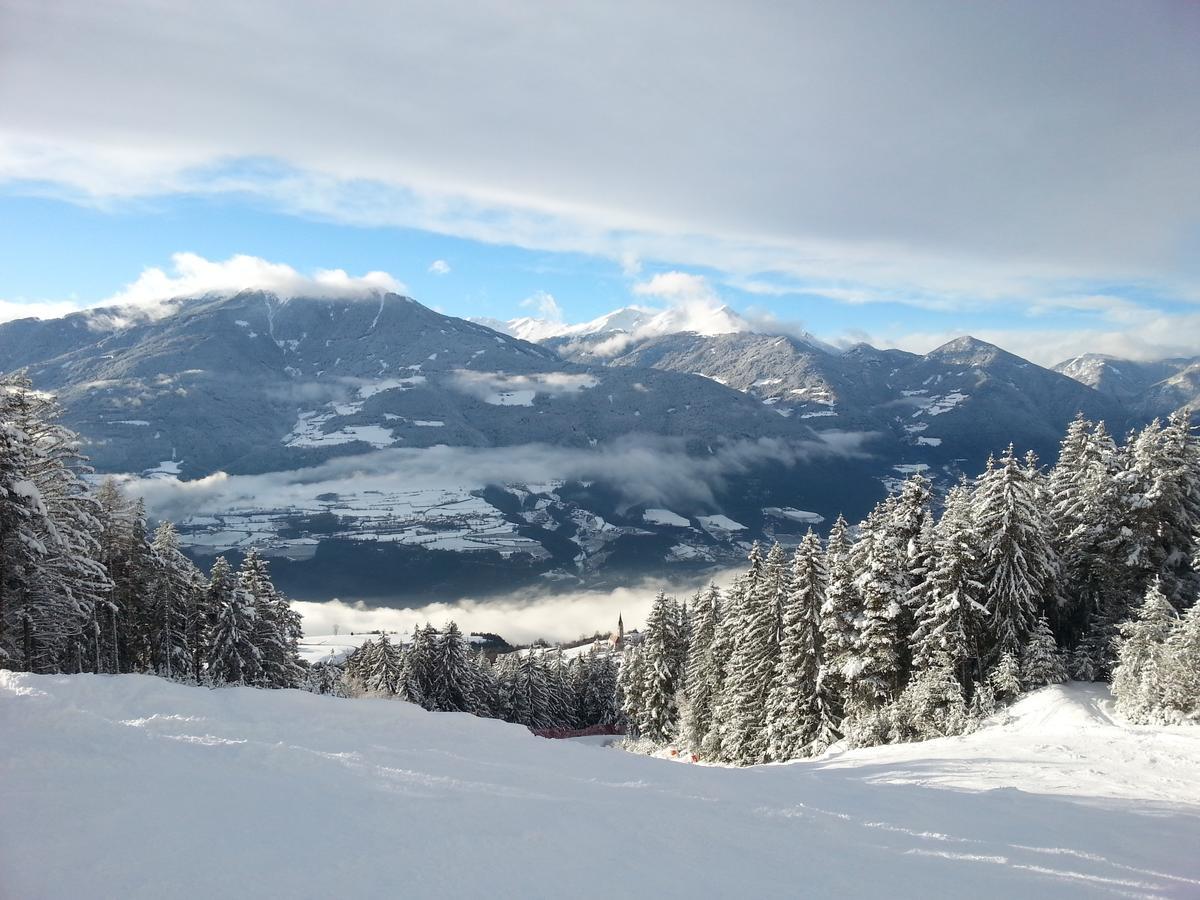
pixel 1023 172
pixel 60 250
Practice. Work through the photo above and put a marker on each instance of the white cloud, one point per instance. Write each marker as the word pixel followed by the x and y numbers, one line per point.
pixel 439 267
pixel 916 152
pixel 520 617
pixel 35 309
pixel 678 288
pixel 545 304
pixel 191 275
pixel 643 468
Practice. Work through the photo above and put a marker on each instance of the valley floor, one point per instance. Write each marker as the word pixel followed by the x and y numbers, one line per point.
pixel 132 786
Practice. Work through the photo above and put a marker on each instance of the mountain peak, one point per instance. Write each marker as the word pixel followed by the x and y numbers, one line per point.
pixel 968 350
pixel 638 321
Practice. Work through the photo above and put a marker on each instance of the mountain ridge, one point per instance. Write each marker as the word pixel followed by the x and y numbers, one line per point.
pixel 381 450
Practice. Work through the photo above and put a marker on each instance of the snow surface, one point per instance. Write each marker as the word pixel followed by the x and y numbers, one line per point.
pixel 665 517
pixel 511 398
pixel 719 523
pixel 133 786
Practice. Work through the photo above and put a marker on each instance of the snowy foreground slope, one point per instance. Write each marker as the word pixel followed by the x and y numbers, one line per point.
pixel 132 786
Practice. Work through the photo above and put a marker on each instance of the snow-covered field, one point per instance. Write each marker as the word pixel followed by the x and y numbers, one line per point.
pixel 132 786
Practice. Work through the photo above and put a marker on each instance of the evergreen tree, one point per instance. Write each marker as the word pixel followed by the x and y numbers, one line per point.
pixel 1005 678
pixel 600 692
pixel 1138 680
pixel 1018 563
pixel 487 694
pixel 278 628
pixel 662 673
pixel 326 677
pixel 873 672
pixel 632 685
pixel 755 653
pixel 382 667
pixel 1082 667
pixel 839 614
pixel 1040 660
pixel 950 614
pixel 1165 467
pixel 173 607
pixel 702 674
pixel 417 680
pixel 529 701
pixel 52 582
pixel 798 713
pixel 1182 692
pixel 911 531
pixel 452 673
pixel 931 705
pixel 560 700
pixel 234 655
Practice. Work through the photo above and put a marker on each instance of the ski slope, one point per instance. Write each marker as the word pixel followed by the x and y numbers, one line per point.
pixel 133 786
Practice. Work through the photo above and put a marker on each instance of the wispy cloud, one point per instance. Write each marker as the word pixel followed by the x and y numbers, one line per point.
pixel 642 468
pixel 439 267
pixel 546 306
pixel 35 309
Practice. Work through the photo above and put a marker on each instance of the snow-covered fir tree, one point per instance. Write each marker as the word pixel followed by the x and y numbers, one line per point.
pixel 278 626
pixel 1005 678
pixel 950 614
pixel 755 630
pixel 662 675
pixel 1018 564
pixel 1141 675
pixel 800 715
pixel 1041 662
pixel 703 676
pixel 873 671
pixel 234 654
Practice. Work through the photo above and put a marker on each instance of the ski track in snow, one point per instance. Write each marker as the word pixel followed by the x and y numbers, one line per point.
pixel 132 786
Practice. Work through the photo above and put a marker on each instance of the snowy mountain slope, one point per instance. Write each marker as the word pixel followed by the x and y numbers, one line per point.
pixel 382 451
pixel 319 411
pixel 603 335
pixel 1151 388
pixel 133 786
pixel 956 403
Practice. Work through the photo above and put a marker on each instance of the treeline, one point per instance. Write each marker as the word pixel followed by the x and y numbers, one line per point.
pixel 84 586
pixel 439 671
pixel 914 624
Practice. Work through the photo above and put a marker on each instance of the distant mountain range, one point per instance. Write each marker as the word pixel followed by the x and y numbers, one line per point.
pixel 382 451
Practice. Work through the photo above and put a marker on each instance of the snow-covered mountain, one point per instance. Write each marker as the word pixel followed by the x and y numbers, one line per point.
pixel 1153 388
pixel 383 451
pixel 615 330
pixel 944 406
pixel 126 784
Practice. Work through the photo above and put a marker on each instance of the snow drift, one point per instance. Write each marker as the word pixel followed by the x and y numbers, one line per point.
pixel 132 786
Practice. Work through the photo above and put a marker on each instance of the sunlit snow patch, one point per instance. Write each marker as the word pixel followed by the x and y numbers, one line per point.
pixel 665 517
